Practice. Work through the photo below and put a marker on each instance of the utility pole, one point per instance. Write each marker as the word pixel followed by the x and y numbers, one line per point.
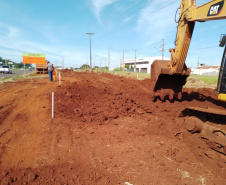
pixel 162 49
pixel 120 65
pixel 108 58
pixel 105 64
pixel 123 61
pixel 198 65
pixel 90 34
pixel 135 68
pixel 87 63
pixel 63 62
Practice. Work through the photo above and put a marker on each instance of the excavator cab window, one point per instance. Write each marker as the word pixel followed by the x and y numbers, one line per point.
pixel 221 86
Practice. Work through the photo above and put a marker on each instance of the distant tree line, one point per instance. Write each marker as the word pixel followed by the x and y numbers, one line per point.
pixel 16 65
pixel 86 67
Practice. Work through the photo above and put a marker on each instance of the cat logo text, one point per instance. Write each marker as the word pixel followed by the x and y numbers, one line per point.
pixel 215 9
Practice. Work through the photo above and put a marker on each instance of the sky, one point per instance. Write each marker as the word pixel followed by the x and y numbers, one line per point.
pixel 58 29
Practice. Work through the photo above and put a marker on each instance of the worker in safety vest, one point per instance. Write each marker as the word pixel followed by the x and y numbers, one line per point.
pixel 54 73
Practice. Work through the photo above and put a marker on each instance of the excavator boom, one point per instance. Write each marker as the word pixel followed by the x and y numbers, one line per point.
pixel 168 77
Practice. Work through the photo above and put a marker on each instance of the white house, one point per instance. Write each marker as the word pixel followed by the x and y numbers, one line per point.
pixel 206 70
pixel 142 64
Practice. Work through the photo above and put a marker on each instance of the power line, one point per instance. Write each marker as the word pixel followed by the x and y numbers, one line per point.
pixel 108 58
pixel 140 17
pixel 162 49
pixel 132 22
pixel 118 16
pixel 205 48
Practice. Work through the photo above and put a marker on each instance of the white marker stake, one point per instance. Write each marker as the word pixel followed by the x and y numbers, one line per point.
pixel 52 105
pixel 59 79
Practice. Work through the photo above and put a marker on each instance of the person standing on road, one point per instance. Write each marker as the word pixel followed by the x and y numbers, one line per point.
pixel 50 71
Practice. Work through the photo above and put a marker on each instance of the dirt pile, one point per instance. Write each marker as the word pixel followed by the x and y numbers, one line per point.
pixel 92 101
pixel 106 130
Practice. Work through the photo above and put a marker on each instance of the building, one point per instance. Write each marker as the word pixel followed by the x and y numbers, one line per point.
pixel 142 65
pixel 206 70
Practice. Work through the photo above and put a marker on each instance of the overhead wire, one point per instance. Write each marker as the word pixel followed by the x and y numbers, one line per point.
pixel 129 23
pixel 205 48
pixel 95 39
pixel 119 16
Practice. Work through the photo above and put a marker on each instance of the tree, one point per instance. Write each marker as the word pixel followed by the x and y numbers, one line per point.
pixel 84 67
pixel 127 66
pixel 21 65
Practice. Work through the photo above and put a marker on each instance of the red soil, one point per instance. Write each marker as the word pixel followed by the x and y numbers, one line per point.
pixel 106 130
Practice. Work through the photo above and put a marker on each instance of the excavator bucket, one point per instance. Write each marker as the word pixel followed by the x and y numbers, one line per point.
pixel 165 83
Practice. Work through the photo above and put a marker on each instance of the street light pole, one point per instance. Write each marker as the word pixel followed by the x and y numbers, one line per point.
pixel 90 50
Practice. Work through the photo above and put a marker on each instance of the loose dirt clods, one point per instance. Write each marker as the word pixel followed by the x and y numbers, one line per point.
pixel 106 130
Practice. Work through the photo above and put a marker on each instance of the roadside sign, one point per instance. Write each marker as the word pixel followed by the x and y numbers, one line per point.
pixel 34 58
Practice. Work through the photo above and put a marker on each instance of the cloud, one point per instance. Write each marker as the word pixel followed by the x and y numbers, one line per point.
pixel 99 5
pixel 13 44
pixel 156 20
pixel 127 19
pixel 9 31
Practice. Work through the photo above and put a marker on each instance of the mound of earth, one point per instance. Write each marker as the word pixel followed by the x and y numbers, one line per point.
pixel 106 130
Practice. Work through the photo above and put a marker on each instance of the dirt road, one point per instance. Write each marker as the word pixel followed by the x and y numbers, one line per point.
pixel 106 130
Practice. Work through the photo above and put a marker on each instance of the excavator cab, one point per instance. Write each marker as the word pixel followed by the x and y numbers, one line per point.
pixel 221 86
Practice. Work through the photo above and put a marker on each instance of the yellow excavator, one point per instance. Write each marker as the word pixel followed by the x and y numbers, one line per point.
pixel 169 76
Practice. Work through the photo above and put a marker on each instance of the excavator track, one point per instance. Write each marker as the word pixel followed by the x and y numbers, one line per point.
pixel 210 123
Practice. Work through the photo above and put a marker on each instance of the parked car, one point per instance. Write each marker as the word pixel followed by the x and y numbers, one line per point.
pixel 5 69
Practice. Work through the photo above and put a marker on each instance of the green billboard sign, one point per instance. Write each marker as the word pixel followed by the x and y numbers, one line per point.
pixel 33 55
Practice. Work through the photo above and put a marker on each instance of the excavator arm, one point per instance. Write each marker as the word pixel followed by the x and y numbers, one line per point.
pixel 169 76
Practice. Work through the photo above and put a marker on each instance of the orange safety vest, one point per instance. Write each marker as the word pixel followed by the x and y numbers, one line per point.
pixel 54 70
pixel 54 73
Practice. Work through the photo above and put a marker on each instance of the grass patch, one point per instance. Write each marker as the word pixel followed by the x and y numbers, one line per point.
pixel 19 77
pixel 140 76
pixel 202 180
pixel 206 79
pixel 184 174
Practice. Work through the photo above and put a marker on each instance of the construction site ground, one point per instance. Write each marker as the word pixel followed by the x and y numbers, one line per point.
pixel 106 130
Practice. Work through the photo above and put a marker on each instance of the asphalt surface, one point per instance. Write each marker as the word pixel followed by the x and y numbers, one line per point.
pixel 15 72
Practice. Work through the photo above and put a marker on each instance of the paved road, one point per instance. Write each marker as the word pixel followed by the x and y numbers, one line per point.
pixel 15 72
